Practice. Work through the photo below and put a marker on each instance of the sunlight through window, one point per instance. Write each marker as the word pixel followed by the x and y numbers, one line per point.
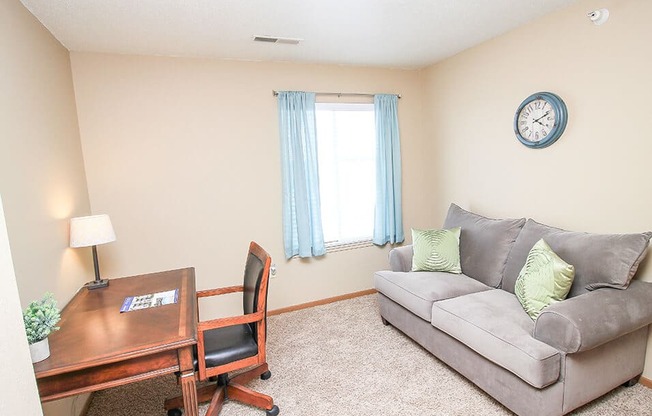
pixel 347 166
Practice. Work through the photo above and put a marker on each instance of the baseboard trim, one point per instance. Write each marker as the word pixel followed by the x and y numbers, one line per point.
pixel 646 382
pixel 320 302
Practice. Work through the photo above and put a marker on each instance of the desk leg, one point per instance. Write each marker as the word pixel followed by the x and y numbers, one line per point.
pixel 188 386
pixel 189 391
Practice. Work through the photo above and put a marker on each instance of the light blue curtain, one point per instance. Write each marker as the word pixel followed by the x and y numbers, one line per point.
pixel 388 219
pixel 302 229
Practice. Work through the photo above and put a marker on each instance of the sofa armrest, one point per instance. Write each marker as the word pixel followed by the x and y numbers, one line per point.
pixel 592 319
pixel 400 259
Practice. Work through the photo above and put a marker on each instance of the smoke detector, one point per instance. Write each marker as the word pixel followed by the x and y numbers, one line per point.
pixel 276 39
pixel 599 17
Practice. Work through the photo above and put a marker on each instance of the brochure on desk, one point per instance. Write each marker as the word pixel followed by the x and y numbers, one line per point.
pixel 152 300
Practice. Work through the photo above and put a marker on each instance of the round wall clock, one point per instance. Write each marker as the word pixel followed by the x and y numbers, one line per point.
pixel 540 120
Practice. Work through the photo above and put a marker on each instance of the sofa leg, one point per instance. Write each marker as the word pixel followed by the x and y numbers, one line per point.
pixel 385 321
pixel 632 382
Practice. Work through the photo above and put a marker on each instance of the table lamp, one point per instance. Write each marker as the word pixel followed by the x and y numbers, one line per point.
pixel 91 231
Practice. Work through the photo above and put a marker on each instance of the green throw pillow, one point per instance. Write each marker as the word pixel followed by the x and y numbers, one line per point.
pixel 436 250
pixel 544 280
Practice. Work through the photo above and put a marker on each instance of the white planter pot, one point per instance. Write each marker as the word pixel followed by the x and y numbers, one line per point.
pixel 39 350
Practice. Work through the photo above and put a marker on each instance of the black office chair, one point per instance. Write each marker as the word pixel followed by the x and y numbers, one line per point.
pixel 234 343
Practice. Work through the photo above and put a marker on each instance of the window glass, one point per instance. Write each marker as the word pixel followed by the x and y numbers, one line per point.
pixel 347 166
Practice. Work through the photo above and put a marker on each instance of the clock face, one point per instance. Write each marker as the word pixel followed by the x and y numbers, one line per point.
pixel 536 120
pixel 540 120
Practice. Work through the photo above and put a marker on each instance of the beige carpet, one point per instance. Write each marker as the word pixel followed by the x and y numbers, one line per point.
pixel 339 359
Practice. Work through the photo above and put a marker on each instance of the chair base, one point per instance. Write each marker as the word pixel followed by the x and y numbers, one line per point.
pixel 230 389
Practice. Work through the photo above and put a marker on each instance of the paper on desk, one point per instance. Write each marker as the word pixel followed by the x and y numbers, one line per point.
pixel 132 303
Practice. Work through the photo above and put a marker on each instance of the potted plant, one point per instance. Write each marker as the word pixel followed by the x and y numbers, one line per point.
pixel 40 319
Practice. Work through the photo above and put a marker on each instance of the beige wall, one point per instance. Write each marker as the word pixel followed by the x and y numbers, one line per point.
pixel 596 177
pixel 20 397
pixel 174 147
pixel 42 178
pixel 183 154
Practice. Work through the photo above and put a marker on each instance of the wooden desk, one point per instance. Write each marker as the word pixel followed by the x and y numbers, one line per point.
pixel 98 347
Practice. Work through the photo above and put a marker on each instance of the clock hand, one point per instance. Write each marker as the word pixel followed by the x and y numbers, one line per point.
pixel 537 120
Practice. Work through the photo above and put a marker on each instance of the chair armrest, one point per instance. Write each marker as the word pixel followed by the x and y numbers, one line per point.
pixel 592 319
pixel 220 291
pixel 400 259
pixel 230 321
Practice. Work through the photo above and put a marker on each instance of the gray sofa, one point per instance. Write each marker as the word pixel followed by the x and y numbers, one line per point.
pixel 576 350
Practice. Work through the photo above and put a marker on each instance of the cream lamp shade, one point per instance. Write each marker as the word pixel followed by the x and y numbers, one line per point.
pixel 91 231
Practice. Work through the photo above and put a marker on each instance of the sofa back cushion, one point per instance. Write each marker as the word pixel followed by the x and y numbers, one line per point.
pixel 485 243
pixel 600 260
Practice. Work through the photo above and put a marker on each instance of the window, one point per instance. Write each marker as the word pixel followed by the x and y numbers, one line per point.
pixel 350 142
pixel 347 171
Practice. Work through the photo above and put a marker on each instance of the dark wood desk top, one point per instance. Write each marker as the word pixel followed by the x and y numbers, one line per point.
pixel 94 332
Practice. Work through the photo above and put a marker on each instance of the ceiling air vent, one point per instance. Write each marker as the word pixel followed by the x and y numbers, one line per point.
pixel 274 39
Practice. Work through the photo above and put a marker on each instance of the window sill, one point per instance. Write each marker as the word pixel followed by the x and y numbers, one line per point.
pixel 337 246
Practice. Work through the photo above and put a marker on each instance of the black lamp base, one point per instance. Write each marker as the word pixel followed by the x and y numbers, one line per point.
pixel 97 284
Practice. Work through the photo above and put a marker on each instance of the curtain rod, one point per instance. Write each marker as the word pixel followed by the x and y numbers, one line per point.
pixel 340 94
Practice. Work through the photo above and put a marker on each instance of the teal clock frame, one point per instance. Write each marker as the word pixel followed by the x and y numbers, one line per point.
pixel 558 128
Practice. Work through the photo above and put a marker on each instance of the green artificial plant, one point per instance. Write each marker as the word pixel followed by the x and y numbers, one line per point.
pixel 40 318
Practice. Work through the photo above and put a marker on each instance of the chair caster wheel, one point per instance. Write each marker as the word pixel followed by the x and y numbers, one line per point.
pixel 267 374
pixel 273 411
pixel 174 412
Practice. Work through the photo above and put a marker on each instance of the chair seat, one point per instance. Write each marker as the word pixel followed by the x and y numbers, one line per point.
pixel 228 344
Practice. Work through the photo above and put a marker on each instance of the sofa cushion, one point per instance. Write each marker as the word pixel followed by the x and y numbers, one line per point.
pixel 485 243
pixel 436 250
pixel 493 324
pixel 545 279
pixel 600 260
pixel 416 291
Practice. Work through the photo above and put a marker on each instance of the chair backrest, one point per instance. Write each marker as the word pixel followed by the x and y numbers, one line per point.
pixel 256 277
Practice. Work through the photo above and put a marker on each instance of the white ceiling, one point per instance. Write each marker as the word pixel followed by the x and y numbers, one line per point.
pixel 389 33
